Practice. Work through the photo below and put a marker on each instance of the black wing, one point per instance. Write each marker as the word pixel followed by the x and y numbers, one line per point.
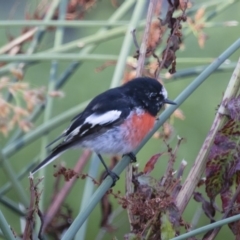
pixel 107 109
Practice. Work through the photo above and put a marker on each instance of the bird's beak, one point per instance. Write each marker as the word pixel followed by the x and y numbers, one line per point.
pixel 169 102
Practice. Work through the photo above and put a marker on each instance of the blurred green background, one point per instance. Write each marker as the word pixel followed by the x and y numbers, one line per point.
pixel 199 109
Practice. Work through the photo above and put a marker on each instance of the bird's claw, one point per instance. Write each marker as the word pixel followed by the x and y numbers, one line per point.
pixel 132 157
pixel 114 177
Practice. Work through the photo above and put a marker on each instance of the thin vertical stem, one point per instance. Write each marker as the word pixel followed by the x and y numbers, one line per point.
pixel 143 48
pixel 48 110
pixel 127 43
pixel 5 228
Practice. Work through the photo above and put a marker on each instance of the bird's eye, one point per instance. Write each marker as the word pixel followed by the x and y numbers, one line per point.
pixel 153 95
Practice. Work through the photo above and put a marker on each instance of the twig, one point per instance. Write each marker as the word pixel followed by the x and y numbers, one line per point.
pixel 135 39
pixel 26 58
pixel 40 215
pixel 62 23
pixel 18 41
pixel 143 48
pixel 171 161
pixel 179 174
pixel 181 169
pixel 33 207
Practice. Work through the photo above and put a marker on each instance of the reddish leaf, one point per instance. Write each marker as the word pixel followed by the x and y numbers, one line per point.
pixel 151 163
pixel 223 161
pixel 226 197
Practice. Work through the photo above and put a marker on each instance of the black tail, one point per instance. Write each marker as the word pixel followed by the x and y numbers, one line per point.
pixel 45 162
pixel 57 151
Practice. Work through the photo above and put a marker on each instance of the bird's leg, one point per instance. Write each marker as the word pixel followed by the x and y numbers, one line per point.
pixel 112 174
pixel 132 157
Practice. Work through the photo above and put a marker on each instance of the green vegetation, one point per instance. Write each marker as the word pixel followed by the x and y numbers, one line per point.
pixel 59 57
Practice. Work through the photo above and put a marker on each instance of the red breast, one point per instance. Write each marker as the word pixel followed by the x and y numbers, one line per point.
pixel 138 126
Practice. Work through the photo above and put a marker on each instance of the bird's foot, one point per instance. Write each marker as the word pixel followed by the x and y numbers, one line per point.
pixel 110 173
pixel 113 175
pixel 132 157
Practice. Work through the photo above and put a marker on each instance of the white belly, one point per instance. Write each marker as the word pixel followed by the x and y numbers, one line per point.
pixel 110 142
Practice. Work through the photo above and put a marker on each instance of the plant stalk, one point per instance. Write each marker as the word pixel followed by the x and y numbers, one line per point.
pixel 6 230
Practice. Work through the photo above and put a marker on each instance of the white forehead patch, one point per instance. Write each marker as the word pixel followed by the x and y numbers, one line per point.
pixel 164 93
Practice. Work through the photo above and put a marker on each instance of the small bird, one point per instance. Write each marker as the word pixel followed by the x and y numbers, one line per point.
pixel 114 122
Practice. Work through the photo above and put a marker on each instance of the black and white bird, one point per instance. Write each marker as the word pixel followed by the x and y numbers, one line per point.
pixel 114 122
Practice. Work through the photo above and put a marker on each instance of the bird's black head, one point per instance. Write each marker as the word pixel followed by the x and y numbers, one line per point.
pixel 148 93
